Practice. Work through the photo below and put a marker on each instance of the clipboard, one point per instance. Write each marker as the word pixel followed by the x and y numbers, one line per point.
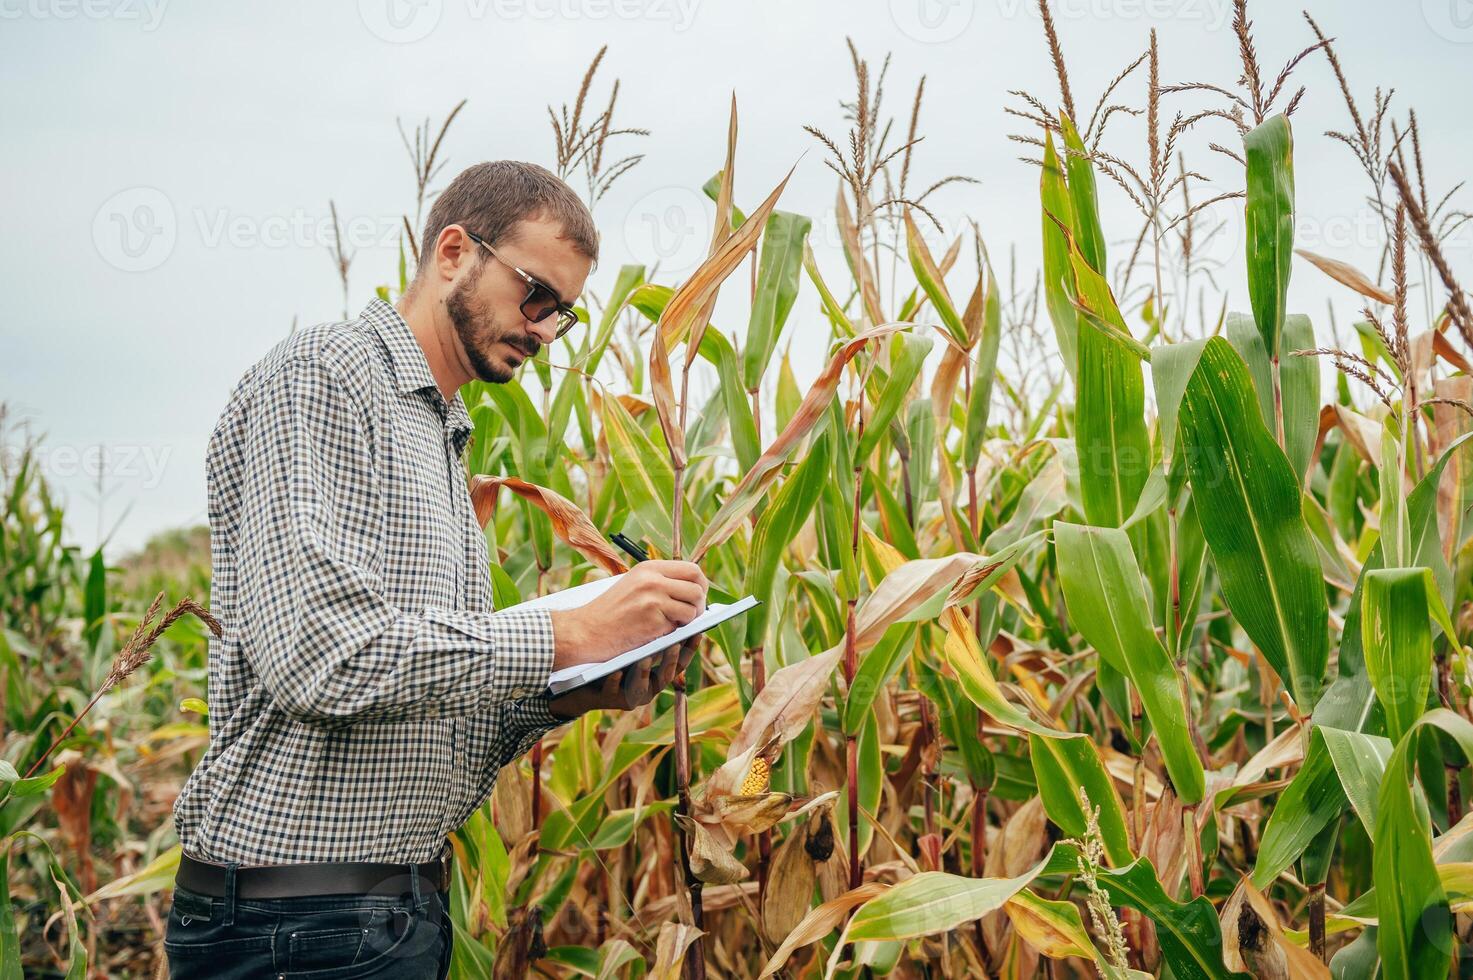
pixel 562 681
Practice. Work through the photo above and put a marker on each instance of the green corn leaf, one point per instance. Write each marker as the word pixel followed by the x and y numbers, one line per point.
pixel 1307 805
pixel 1191 559
pixel 740 423
pixel 644 472
pixel 559 415
pixel 1107 603
pixel 896 525
pixel 529 448
pixel 1083 197
pixel 1189 933
pixel 1396 636
pixel 836 536
pixel 1112 443
pixel 1172 366
pixel 1299 382
pixel 1357 960
pixel 879 665
pixel 928 274
pixel 31 786
pixel 1062 765
pixel 783 242
pixel 1249 506
pixel 984 372
pixel 933 902
pixel 777 529
pixel 9 937
pixel 788 396
pixel 1360 762
pixel 1315 796
pixel 94 599
pixel 832 308
pixel 871 779
pixel 1057 277
pixel 1269 215
pixel 905 368
pixel 1414 933
pixel 1396 531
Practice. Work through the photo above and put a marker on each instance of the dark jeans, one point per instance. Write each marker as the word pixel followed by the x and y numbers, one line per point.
pixel 402 929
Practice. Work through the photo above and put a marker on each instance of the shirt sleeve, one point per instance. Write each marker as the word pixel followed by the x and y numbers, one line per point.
pixel 523 722
pixel 316 626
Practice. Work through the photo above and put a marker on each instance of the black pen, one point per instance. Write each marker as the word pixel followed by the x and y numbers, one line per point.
pixel 634 551
pixel 639 554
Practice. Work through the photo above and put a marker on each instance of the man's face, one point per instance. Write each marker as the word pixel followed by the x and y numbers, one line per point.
pixel 484 302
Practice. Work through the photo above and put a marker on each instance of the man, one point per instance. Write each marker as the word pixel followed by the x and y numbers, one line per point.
pixel 365 694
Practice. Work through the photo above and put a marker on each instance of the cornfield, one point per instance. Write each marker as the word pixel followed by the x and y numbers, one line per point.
pixel 1099 635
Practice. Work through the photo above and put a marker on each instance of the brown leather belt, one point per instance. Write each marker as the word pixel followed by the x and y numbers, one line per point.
pixel 317 878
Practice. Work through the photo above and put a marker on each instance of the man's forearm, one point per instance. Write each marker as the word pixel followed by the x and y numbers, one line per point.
pixel 440 664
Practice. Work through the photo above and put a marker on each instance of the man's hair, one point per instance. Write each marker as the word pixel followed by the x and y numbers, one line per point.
pixel 491 198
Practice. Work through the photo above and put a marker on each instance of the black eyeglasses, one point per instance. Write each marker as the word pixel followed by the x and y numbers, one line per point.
pixel 541 301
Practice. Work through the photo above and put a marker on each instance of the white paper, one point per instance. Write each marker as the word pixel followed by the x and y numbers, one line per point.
pixel 580 595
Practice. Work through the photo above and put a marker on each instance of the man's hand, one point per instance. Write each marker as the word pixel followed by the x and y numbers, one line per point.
pixel 653 598
pixel 629 688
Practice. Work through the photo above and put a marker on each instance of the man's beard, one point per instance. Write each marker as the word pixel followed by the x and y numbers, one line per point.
pixel 478 331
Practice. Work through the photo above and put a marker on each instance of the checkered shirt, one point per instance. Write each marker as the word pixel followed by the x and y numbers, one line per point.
pixel 365 693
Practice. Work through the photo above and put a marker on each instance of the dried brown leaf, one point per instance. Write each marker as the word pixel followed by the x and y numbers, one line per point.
pixel 1347 275
pixel 1262 947
pixel 670 948
pixel 709 861
pixel 568 521
pixel 820 921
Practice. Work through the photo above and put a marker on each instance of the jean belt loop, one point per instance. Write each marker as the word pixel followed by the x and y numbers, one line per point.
pixel 414 884
pixel 230 893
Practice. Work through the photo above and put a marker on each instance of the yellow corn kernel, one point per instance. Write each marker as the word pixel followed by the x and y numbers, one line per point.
pixel 756 778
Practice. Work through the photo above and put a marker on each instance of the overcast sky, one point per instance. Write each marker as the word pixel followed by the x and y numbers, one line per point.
pixel 167 165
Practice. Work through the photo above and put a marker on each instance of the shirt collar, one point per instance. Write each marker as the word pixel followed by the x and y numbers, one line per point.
pixel 411 369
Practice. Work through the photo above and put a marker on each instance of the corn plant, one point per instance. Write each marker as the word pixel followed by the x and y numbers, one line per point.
pixel 1098 635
